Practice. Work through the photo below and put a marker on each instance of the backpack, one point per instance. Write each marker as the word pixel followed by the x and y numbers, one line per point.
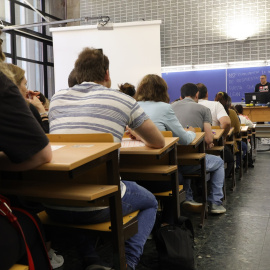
pixel 175 246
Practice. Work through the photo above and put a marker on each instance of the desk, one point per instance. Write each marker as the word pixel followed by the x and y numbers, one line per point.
pixel 257 114
pixel 71 167
pixel 149 164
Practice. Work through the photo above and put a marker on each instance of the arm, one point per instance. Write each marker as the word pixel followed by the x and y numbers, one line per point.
pixel 209 136
pixel 43 156
pixel 171 122
pixel 150 134
pixel 225 123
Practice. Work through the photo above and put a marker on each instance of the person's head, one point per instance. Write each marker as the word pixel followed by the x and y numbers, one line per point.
pixel 190 90
pixel 72 78
pixel 152 88
pixel 92 66
pixel 19 77
pixel 203 93
pixel 224 99
pixel 45 102
pixel 239 108
pixel 263 79
pixel 128 89
pixel 2 55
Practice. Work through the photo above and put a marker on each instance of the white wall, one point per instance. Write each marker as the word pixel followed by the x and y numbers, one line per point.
pixel 132 48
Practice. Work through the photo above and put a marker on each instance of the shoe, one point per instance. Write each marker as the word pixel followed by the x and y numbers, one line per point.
pixel 217 209
pixel 192 206
pixel 56 260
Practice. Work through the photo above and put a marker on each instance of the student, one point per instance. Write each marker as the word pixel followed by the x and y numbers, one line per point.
pixel 92 106
pixel 152 96
pixel 219 118
pixel 35 104
pixel 243 118
pixel 189 112
pixel 23 146
pixel 127 89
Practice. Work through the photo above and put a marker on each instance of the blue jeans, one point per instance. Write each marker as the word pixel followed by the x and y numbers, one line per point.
pixel 244 152
pixel 135 198
pixel 214 165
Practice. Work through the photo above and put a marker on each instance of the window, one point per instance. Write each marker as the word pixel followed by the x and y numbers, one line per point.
pixel 31 48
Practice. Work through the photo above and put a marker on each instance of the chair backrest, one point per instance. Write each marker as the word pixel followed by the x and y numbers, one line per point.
pixel 166 133
pixel 215 127
pixel 95 137
pixel 243 125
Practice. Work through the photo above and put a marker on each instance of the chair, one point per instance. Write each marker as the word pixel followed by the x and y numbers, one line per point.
pixel 19 267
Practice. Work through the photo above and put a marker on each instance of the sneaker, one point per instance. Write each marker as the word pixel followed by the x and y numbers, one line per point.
pixel 217 209
pixel 192 206
pixel 56 260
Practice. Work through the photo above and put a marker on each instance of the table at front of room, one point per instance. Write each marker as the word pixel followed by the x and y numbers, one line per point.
pixel 75 177
pixel 149 164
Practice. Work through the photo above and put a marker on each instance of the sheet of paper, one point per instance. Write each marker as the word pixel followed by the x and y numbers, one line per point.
pixel 127 142
pixel 55 147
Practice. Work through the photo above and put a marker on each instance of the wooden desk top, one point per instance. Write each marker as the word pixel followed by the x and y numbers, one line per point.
pixel 72 155
pixel 244 128
pixel 218 133
pixel 198 139
pixel 145 150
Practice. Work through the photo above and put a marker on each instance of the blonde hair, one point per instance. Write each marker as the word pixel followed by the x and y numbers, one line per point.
pixel 18 73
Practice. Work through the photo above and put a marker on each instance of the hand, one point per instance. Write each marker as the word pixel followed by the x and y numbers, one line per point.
pixel 31 94
pixel 190 129
pixel 132 134
pixel 209 146
pixel 37 103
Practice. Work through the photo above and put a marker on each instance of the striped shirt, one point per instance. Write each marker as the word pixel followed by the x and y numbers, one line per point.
pixel 93 108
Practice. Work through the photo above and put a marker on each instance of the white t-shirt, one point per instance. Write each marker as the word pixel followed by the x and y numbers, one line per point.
pixel 216 108
pixel 245 120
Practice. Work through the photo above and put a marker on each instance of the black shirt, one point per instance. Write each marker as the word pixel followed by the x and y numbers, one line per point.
pixel 262 88
pixel 20 134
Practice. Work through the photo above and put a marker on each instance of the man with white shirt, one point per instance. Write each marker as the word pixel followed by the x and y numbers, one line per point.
pixel 219 115
pixel 219 118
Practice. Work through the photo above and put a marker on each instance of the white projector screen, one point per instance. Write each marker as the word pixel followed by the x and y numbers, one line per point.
pixel 133 50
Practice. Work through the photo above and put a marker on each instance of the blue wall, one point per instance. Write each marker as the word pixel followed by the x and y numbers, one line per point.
pixel 236 82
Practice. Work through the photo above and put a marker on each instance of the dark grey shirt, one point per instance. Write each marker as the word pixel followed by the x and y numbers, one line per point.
pixel 190 113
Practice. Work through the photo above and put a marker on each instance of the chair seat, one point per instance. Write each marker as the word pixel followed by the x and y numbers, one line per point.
pixel 168 193
pixel 19 267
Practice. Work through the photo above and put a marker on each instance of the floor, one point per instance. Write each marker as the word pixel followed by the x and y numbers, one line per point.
pixel 239 239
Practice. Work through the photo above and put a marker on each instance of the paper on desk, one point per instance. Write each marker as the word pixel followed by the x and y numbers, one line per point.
pixel 55 147
pixel 127 142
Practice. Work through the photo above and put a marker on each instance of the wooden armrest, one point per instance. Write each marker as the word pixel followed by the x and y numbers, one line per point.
pixel 19 267
pixel 194 156
pixel 80 192
pixel 216 148
pixel 238 139
pixel 168 193
pixel 105 226
pixel 229 142
pixel 159 169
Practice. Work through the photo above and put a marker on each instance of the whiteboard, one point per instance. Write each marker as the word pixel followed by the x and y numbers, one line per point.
pixel 133 50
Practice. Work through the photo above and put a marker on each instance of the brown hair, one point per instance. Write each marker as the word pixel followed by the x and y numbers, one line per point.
pixel 128 89
pixel 18 73
pixel 223 98
pixel 152 88
pixel 239 108
pixel 91 66
pixel 72 78
pixel 202 90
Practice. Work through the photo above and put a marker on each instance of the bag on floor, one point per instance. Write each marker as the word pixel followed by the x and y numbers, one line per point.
pixel 175 246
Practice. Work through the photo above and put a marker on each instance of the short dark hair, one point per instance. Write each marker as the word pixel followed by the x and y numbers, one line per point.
pixel 239 108
pixel 224 99
pixel 128 89
pixel 91 65
pixel 72 78
pixel 202 90
pixel 189 90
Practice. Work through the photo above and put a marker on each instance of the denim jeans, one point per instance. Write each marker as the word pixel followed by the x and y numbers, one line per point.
pixel 135 198
pixel 244 152
pixel 214 165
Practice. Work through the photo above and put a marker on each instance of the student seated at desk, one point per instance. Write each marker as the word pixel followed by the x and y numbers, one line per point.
pixel 91 106
pixel 31 98
pixel 225 100
pixel 189 112
pixel 23 146
pixel 152 96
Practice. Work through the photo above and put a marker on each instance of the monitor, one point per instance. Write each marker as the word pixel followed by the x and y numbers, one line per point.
pixel 257 97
